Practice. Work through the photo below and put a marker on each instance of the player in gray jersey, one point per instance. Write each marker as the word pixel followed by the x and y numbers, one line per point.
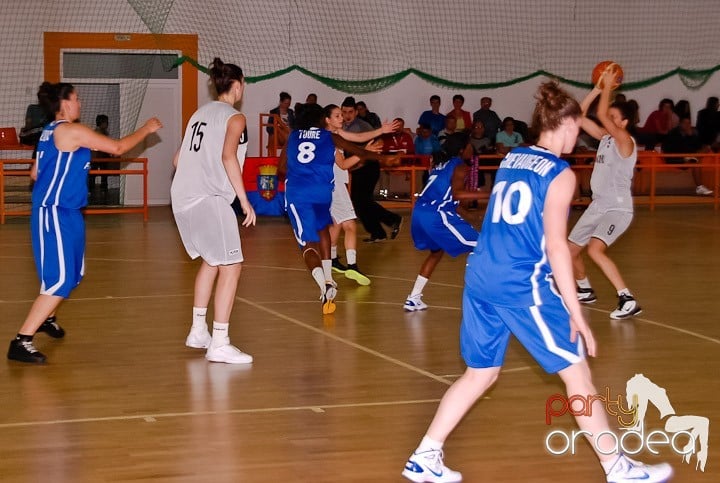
pixel 611 209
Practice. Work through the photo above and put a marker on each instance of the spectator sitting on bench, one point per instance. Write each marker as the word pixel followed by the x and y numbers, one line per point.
pixel 685 139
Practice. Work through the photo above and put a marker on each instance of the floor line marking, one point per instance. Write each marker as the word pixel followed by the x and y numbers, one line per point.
pixel 317 408
pixel 348 342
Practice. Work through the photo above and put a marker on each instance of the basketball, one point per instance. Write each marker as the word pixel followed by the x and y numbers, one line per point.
pixel 600 68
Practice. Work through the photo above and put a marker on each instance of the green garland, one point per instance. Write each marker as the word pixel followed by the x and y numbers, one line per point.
pixel 693 79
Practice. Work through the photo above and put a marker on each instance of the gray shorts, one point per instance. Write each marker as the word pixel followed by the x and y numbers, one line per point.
pixel 210 230
pixel 341 208
pixel 601 224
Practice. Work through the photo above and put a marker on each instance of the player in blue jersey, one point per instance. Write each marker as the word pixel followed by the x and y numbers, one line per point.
pixel 519 281
pixel 436 224
pixel 60 192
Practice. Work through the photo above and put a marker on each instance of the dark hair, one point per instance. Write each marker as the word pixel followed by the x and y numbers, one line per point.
pixel 284 96
pixel 327 111
pixel 399 119
pixel 454 144
pixel 349 102
pixel 312 94
pixel 360 103
pixel 666 101
pixel 508 119
pixel 309 115
pixel 223 75
pixel 434 97
pixel 712 102
pixel 101 118
pixel 49 96
pixel 458 96
pixel 553 105
pixel 627 111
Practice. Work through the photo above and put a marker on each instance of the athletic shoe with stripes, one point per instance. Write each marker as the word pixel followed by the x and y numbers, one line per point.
pixel 52 328
pixel 586 295
pixel 414 303
pixel 428 467
pixel 626 470
pixel 627 307
pixel 23 350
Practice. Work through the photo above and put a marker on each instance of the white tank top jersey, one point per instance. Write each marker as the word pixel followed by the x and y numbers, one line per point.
pixel 200 172
pixel 611 180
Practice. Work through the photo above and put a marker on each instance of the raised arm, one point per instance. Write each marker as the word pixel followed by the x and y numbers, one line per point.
pixel 588 125
pixel 623 140
pixel 72 136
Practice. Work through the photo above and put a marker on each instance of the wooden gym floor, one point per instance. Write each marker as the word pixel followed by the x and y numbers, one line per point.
pixel 335 398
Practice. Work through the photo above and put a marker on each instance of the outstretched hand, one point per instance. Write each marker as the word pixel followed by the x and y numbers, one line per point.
pixel 375 146
pixel 388 127
pixel 153 124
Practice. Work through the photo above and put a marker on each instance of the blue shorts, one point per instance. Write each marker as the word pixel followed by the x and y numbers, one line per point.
pixel 544 330
pixel 58 241
pixel 442 230
pixel 307 219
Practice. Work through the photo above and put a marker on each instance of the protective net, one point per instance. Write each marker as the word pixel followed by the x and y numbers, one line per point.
pixel 365 46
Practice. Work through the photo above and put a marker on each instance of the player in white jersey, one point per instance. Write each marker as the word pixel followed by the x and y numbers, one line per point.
pixel 341 208
pixel 519 281
pixel 207 179
pixel 611 210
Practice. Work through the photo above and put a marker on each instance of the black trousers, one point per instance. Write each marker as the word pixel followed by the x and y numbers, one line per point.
pixel 370 213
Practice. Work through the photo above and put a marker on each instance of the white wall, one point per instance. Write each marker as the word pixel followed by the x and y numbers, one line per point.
pixel 408 98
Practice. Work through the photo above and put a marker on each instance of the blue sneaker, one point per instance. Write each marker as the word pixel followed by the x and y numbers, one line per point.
pixel 428 467
pixel 626 470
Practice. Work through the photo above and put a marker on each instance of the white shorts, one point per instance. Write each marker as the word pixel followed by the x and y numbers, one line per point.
pixel 341 208
pixel 604 225
pixel 210 230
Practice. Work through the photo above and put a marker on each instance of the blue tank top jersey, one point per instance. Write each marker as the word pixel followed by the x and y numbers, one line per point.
pixel 310 160
pixel 61 175
pixel 438 189
pixel 509 266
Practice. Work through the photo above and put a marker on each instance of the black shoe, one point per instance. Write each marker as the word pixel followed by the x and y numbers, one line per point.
pixel 374 240
pixel 52 328
pixel 396 229
pixel 586 295
pixel 23 350
pixel 337 266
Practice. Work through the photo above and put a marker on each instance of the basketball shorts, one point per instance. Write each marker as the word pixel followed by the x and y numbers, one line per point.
pixel 442 230
pixel 209 229
pixel 604 225
pixel 307 219
pixel 544 330
pixel 58 241
pixel 341 208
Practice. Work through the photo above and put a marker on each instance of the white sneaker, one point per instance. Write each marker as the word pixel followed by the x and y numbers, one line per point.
pixel 327 298
pixel 228 354
pixel 428 467
pixel 627 307
pixel 626 470
pixel 414 303
pixel 703 190
pixel 198 339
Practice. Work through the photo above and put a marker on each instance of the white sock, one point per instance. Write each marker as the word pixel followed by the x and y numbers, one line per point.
pixel 428 444
pixel 607 465
pixel 333 251
pixel 220 335
pixel 351 256
pixel 198 321
pixel 327 270
pixel 420 282
pixel 319 276
pixel 583 283
pixel 625 291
